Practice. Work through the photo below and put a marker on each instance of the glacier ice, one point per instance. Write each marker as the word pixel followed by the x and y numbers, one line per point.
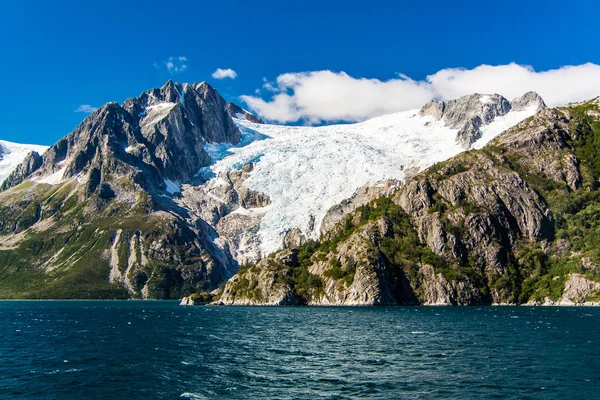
pixel 307 170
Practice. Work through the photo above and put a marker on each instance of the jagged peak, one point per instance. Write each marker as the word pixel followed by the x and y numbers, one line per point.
pixel 203 84
pixel 470 112
pixel 238 112
pixel 162 130
pixel 169 83
pixel 529 99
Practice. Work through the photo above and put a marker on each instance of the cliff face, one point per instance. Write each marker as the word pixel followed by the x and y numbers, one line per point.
pixel 512 223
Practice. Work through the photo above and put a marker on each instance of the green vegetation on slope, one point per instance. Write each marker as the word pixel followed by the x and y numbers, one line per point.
pixel 68 253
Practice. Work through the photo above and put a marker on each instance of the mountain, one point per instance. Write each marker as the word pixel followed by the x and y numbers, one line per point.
pixel 13 154
pixel 94 215
pixel 513 222
pixel 169 192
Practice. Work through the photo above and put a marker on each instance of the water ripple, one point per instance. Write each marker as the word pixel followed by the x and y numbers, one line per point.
pixel 141 350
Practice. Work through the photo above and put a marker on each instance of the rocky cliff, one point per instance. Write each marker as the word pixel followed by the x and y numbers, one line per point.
pixel 515 222
pixel 12 156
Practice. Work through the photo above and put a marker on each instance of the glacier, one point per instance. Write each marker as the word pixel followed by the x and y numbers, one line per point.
pixel 305 170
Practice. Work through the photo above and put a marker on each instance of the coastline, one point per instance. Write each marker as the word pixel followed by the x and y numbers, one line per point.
pixel 187 301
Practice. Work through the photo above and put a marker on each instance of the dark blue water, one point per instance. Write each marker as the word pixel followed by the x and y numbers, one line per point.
pixel 148 350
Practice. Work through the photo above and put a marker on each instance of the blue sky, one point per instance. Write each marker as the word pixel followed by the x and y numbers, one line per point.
pixel 57 56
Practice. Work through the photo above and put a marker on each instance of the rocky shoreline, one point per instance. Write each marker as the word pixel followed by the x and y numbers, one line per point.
pixel 577 290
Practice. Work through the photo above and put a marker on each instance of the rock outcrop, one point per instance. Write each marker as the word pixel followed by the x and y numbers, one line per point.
pixel 361 197
pixel 238 112
pixel 31 163
pixel 580 290
pixel 469 113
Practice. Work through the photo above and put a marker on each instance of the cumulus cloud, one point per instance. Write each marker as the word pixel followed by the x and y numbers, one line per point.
pixel 86 108
pixel 322 96
pixel 224 73
pixel 174 65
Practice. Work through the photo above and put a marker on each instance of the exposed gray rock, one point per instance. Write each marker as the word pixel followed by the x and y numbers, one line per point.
pixel 438 291
pixel 469 113
pixel 262 285
pixel 373 283
pixel 294 238
pixel 187 301
pixel 29 165
pixel 159 135
pixel 238 112
pixel 504 209
pixel 232 209
pixel 529 99
pixel 578 289
pixel 361 197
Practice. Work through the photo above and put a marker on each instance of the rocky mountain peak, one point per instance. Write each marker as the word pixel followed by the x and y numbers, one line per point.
pixel 161 133
pixel 529 99
pixel 469 113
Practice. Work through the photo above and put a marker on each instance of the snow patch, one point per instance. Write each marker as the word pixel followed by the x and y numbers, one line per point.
pixel 485 99
pixel 500 124
pixel 160 106
pixel 156 113
pixel 172 187
pixel 52 179
pixel 251 211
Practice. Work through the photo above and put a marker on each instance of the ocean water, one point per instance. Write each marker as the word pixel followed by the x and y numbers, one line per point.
pixel 160 350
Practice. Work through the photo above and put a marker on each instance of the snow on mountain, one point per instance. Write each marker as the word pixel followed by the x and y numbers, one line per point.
pixel 307 170
pixel 11 155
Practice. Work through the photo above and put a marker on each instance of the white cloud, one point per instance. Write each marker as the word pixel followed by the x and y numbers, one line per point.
pixel 86 108
pixel 175 65
pixel 224 73
pixel 319 96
